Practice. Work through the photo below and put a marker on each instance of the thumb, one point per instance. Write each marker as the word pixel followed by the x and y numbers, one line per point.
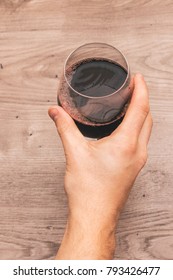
pixel 67 129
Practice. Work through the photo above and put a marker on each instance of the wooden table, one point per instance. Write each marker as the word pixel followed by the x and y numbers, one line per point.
pixel 35 38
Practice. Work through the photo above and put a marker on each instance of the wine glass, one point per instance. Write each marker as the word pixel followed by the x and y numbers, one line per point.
pixel 95 88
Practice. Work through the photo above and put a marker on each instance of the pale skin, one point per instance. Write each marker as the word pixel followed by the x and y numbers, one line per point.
pixel 99 176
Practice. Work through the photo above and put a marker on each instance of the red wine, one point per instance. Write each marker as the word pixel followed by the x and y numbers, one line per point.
pixel 91 96
pixel 96 78
pixel 98 131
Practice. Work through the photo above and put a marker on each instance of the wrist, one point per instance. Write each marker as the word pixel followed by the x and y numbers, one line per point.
pixel 90 245
pixel 93 218
pixel 92 222
pixel 88 240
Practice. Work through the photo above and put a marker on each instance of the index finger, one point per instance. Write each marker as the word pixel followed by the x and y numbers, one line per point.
pixel 138 109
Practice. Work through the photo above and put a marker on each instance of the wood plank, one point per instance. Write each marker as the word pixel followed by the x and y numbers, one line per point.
pixel 35 38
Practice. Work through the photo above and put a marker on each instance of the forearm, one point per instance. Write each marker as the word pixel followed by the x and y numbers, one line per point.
pixel 88 240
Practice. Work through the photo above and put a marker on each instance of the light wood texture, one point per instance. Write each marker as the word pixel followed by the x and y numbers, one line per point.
pixel 35 38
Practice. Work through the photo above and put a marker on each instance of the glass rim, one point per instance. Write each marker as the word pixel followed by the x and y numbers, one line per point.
pixel 97 97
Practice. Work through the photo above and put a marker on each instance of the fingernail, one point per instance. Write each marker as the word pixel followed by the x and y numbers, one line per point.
pixel 53 112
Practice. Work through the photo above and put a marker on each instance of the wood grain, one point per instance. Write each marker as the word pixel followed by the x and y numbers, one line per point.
pixel 35 38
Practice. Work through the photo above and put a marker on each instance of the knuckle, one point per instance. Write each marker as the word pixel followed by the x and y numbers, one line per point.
pixel 142 159
pixel 144 109
pixel 128 146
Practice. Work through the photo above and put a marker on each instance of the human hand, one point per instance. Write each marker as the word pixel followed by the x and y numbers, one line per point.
pixel 100 174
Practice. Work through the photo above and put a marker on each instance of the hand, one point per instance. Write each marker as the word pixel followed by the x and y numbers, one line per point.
pixel 99 176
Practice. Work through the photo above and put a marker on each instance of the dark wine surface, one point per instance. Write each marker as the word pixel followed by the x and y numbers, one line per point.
pixel 90 79
pixel 96 78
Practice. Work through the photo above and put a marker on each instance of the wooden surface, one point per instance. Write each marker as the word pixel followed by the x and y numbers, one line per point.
pixel 35 38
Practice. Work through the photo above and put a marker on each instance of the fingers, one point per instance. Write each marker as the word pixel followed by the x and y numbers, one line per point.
pixel 67 129
pixel 138 108
pixel 146 131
